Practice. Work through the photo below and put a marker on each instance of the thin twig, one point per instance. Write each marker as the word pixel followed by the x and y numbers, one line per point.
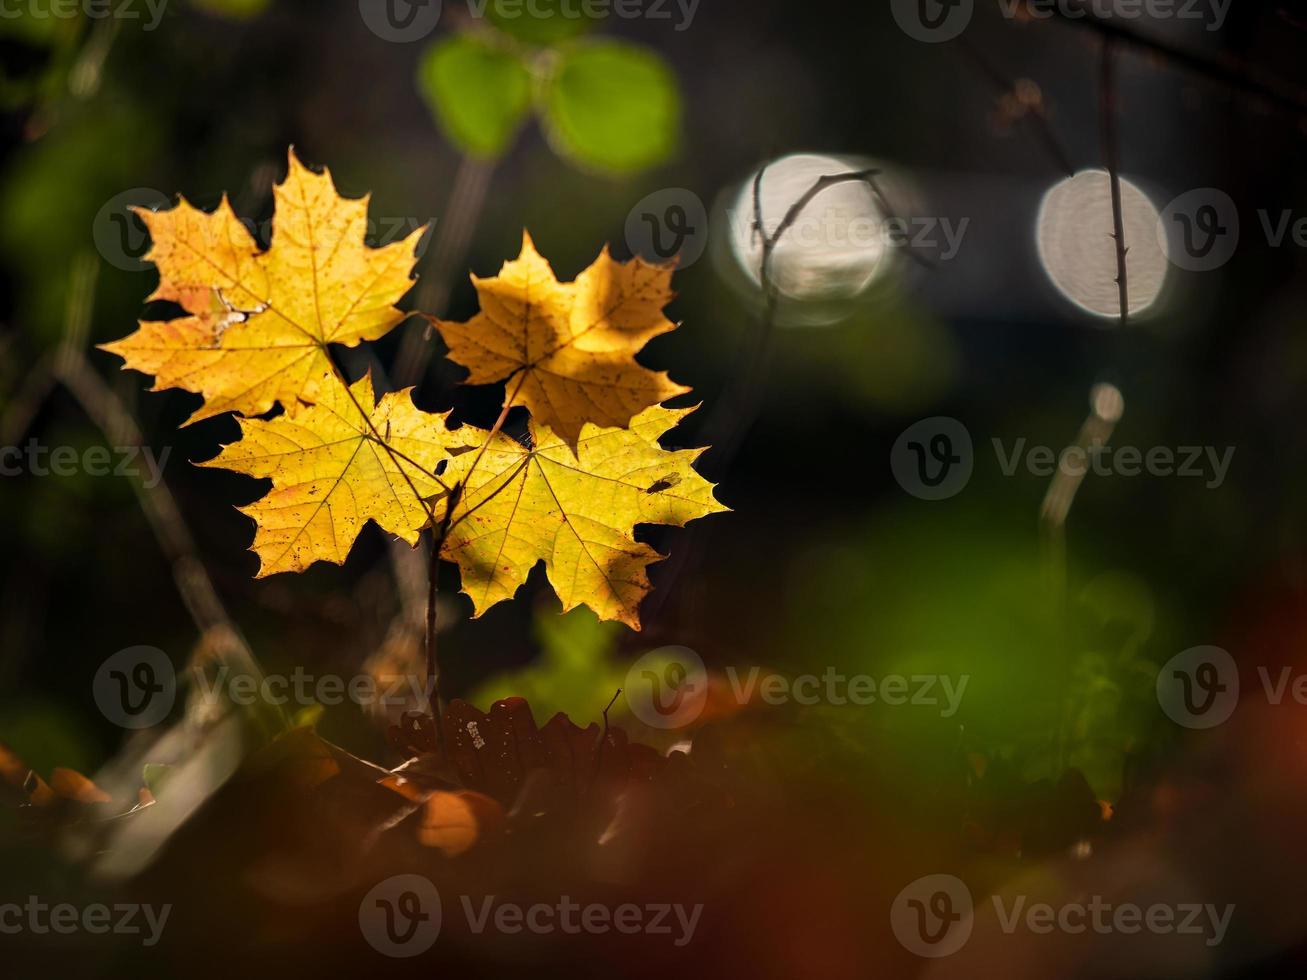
pixel 111 416
pixel 730 422
pixel 1035 118
pixel 439 530
pixel 27 402
pixel 1233 74
pixel 452 237
pixel 603 741
pixel 733 415
pixel 1111 154
pixel 1106 407
pixel 891 215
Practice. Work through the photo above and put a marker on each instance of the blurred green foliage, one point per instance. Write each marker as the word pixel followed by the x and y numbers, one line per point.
pixel 543 22
pixel 605 105
pixel 576 672
pixel 233 8
pixel 52 192
pixel 479 91
pixel 612 106
pixel 946 594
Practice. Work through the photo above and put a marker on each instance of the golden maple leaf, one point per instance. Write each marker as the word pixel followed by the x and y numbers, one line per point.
pixel 568 349
pixel 575 510
pixel 338 464
pixel 260 321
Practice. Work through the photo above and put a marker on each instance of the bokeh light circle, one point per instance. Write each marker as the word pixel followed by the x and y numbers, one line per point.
pixel 837 246
pixel 1076 247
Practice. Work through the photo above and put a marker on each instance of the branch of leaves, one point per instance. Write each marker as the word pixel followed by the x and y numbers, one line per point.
pixel 603 104
pixel 257 331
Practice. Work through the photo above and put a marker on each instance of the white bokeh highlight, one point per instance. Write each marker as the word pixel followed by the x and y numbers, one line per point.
pixel 834 251
pixel 1076 248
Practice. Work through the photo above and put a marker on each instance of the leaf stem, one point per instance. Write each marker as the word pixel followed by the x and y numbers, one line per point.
pixel 490 436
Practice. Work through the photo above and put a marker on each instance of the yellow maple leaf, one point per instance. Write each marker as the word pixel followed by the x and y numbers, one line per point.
pixel 568 349
pixel 260 321
pixel 573 509
pixel 338 464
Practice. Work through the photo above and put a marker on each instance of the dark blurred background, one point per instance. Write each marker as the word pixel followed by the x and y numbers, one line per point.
pixel 825 559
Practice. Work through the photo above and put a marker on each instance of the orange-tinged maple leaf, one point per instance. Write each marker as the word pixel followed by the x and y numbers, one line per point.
pixel 575 510
pixel 260 321
pixel 338 464
pixel 568 350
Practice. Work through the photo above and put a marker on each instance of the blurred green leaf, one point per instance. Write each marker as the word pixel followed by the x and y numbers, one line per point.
pixel 576 673
pixel 34 26
pixel 45 735
pixel 542 22
pixel 239 9
pixel 478 93
pixel 50 197
pixel 38 54
pixel 612 106
pixel 307 716
pixel 154 775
